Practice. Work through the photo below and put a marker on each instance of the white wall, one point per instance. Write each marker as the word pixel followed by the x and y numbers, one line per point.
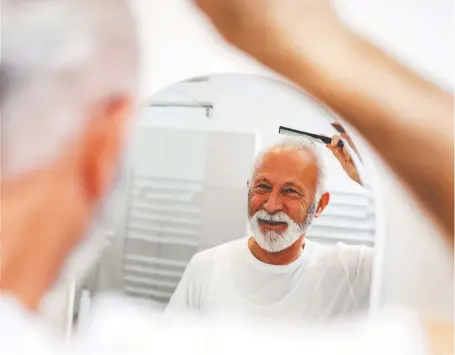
pixel 178 44
pixel 187 194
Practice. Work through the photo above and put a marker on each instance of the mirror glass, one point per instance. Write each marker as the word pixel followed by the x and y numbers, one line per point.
pixel 218 213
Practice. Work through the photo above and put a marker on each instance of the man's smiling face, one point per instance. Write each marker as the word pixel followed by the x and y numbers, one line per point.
pixel 282 196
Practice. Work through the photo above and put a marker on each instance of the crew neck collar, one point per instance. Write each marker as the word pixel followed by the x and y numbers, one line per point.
pixel 256 263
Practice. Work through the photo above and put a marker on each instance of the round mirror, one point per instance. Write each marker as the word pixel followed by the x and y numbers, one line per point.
pixel 243 197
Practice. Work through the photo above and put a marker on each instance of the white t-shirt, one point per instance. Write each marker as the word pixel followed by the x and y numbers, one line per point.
pixel 325 282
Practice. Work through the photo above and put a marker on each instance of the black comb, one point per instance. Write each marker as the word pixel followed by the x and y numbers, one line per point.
pixel 317 137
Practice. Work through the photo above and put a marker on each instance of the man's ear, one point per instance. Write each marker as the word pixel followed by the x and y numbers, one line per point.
pixel 323 202
pixel 102 144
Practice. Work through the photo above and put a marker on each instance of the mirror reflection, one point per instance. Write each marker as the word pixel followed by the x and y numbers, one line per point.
pixel 220 212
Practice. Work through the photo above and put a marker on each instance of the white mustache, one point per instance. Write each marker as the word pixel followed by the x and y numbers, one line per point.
pixel 272 217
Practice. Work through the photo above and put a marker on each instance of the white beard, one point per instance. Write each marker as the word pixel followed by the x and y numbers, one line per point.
pixel 273 241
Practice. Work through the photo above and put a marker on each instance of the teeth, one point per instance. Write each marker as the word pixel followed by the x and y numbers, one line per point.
pixel 272 222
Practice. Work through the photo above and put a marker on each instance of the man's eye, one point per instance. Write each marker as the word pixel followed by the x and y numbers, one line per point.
pixel 290 191
pixel 262 187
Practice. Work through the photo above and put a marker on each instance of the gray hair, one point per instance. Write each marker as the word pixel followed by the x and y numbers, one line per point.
pixel 297 144
pixel 59 57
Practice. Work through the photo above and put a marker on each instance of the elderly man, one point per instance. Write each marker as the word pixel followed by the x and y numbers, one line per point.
pixel 68 85
pixel 278 272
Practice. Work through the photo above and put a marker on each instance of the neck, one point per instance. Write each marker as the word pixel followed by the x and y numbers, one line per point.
pixel 284 257
pixel 33 244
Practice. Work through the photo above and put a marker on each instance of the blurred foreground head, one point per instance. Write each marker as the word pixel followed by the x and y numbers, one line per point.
pixel 68 81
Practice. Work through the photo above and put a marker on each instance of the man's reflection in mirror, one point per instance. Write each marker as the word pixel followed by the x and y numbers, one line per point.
pixel 277 272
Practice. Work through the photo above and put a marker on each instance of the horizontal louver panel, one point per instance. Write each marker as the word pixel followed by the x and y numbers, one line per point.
pixel 163 224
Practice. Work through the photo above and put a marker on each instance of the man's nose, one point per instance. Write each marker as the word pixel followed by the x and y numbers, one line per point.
pixel 273 203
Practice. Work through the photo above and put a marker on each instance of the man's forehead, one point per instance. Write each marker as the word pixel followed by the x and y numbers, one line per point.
pixel 294 164
pixel 287 158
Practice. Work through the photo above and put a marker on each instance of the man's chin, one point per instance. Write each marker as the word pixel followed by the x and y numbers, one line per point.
pixel 272 243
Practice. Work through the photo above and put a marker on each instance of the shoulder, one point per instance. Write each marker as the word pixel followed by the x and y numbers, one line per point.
pixel 347 266
pixel 341 252
pixel 346 258
pixel 209 257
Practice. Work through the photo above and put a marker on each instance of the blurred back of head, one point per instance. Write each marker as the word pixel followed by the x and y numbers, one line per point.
pixel 66 66
pixel 58 58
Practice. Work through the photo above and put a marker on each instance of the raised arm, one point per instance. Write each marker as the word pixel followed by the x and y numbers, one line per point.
pixel 406 118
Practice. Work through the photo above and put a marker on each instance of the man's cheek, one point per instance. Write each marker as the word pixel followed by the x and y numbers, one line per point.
pixel 297 213
pixel 255 203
